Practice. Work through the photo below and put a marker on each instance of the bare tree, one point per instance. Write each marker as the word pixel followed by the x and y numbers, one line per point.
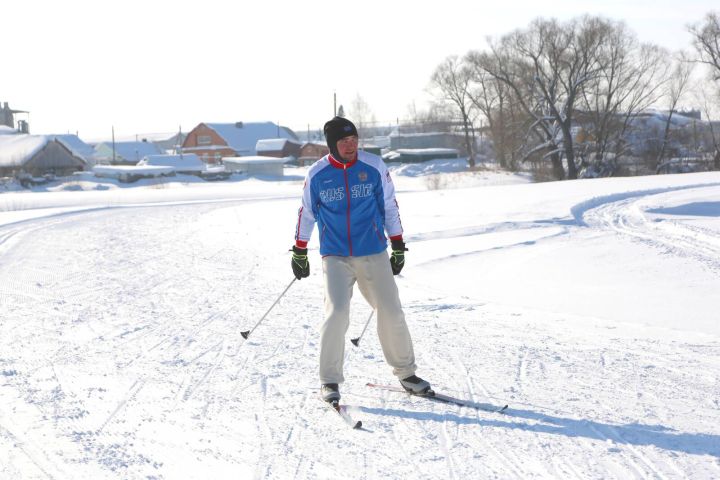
pixel 362 114
pixel 452 79
pixel 436 118
pixel 547 66
pixel 676 89
pixel 631 79
pixel 704 98
pixel 706 40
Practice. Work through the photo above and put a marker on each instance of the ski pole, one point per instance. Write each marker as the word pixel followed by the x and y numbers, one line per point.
pixel 247 333
pixel 356 341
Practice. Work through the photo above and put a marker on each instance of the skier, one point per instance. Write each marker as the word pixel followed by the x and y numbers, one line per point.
pixel 349 193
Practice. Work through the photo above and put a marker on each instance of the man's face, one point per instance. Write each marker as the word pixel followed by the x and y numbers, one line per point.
pixel 347 147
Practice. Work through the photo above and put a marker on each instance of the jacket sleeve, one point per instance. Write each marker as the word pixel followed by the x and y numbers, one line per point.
pixel 393 225
pixel 306 217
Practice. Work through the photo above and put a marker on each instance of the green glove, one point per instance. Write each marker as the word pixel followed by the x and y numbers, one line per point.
pixel 299 263
pixel 397 257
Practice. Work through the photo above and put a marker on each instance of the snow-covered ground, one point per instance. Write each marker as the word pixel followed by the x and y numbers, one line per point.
pixel 590 307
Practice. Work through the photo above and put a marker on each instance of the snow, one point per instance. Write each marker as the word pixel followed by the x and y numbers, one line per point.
pixel 129 151
pixel 272 144
pixel 427 151
pixel 188 162
pixel 590 307
pixel 115 170
pixel 76 145
pixel 259 159
pixel 243 139
pixel 15 150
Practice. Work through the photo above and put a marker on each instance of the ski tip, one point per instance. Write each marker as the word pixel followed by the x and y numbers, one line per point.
pixel 355 341
pixel 502 409
pixel 357 425
pixel 245 335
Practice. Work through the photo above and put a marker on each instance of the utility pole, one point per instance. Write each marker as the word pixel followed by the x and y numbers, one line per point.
pixel 178 145
pixel 334 104
pixel 113 144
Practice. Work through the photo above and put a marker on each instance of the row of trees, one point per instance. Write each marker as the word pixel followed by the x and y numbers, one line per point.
pixel 569 93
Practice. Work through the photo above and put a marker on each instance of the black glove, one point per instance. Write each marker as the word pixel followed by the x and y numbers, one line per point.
pixel 397 257
pixel 299 262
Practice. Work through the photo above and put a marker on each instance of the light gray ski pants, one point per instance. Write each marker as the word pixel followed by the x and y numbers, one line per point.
pixel 376 283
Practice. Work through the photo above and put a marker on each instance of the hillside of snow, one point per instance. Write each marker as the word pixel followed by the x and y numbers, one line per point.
pixel 589 307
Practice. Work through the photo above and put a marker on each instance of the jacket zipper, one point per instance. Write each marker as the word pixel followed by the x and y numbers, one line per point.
pixel 347 192
pixel 377 232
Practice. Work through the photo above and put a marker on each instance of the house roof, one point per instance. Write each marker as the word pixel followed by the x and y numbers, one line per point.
pixel 16 150
pixel 130 150
pixel 273 144
pixel 256 160
pixel 243 136
pixel 188 162
pixel 75 145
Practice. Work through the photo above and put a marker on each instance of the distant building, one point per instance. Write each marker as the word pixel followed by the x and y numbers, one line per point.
pixel 186 163
pixel 132 173
pixel 124 153
pixel 428 140
pixel 278 147
pixel 213 141
pixel 256 165
pixel 168 143
pixel 77 146
pixel 419 155
pixel 37 155
pixel 311 151
pixel 7 118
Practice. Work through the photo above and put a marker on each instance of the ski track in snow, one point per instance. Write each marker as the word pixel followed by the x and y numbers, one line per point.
pixel 127 362
pixel 626 214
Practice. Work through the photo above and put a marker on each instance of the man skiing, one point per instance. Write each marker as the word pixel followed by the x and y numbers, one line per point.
pixel 350 195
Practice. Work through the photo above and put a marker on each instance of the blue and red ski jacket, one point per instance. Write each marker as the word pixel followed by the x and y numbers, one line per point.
pixel 353 204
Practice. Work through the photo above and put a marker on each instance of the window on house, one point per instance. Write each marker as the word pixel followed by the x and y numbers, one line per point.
pixel 204 140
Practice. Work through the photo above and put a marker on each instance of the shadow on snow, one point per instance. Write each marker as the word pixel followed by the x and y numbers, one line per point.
pixel 635 434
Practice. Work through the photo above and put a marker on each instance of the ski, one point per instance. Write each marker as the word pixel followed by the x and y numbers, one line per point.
pixel 342 411
pixel 439 397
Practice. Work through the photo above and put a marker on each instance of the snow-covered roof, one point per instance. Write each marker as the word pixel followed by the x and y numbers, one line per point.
pixel 114 170
pixel 5 130
pixel 15 150
pixel 658 118
pixel 273 144
pixel 188 162
pixel 130 150
pixel 255 159
pixel 427 151
pixel 75 145
pixel 243 136
pixel 318 143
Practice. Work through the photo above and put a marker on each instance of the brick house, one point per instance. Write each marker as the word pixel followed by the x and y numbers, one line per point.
pixel 310 152
pixel 213 141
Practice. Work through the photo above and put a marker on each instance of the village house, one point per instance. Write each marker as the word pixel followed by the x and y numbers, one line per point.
pixel 278 147
pixel 37 155
pixel 256 165
pixel 213 141
pixel 311 151
pixel 124 153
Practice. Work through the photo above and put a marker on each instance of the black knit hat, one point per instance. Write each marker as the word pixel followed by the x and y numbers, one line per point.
pixel 337 129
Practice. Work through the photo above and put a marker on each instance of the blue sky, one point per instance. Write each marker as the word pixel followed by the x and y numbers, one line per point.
pixel 157 65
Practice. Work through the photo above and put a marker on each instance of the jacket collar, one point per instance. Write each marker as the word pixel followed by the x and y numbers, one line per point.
pixel 342 165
